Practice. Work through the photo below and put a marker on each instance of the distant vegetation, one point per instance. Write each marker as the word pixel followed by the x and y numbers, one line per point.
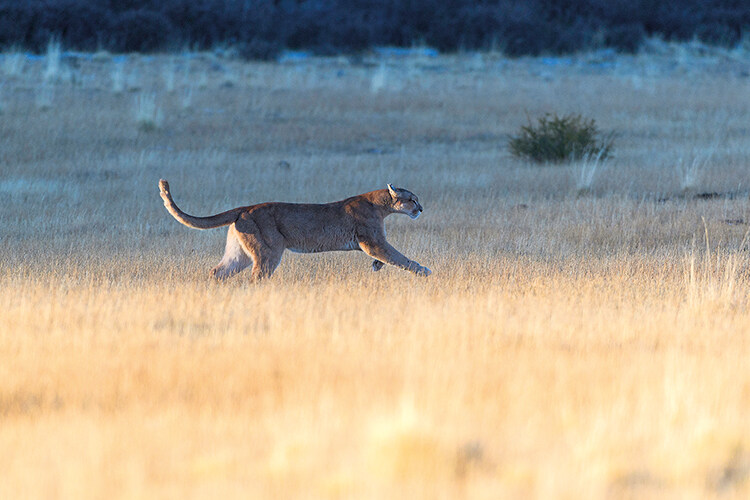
pixel 560 138
pixel 260 29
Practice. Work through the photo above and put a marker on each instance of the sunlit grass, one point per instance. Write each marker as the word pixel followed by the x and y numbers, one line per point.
pixel 566 346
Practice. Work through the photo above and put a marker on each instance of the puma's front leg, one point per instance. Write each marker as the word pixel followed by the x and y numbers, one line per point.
pixel 384 252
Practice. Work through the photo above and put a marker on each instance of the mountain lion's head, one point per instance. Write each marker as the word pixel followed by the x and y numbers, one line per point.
pixel 404 202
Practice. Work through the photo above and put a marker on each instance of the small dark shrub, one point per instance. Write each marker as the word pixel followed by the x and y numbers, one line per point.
pixel 557 139
pixel 263 27
pixel 626 37
pixel 15 22
pixel 142 31
pixel 718 34
pixel 259 49
pixel 83 26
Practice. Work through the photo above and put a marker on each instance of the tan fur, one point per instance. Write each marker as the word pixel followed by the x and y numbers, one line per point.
pixel 259 234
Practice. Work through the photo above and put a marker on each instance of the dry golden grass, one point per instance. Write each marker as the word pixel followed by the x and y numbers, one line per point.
pixel 565 346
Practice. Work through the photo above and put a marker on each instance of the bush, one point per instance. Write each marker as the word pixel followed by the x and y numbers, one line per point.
pixel 625 38
pixel 142 31
pixel 262 28
pixel 558 139
pixel 259 49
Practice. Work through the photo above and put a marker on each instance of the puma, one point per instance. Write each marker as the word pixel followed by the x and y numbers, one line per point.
pixel 259 234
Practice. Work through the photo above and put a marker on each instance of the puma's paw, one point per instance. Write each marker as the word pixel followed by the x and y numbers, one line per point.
pixel 423 271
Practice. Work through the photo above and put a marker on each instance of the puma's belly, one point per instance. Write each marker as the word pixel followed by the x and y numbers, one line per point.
pixel 313 228
pixel 314 247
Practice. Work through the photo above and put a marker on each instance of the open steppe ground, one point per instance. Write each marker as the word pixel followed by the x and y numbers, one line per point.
pixel 580 337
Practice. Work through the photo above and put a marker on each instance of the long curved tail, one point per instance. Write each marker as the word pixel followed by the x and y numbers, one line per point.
pixel 217 220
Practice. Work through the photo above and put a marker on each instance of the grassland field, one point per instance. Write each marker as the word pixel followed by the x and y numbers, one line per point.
pixel 585 332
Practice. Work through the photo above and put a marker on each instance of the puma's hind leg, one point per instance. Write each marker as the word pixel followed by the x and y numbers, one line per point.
pixel 265 252
pixel 267 262
pixel 235 257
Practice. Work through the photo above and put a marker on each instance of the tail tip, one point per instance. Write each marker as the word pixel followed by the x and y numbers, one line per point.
pixel 163 185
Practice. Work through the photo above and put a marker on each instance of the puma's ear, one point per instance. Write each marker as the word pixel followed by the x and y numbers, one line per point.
pixel 391 190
